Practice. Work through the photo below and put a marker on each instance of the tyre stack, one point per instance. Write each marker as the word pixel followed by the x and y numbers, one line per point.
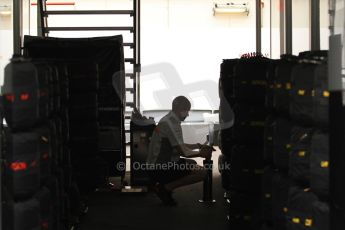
pixel 57 131
pixel 276 181
pixel 30 149
pixel 296 144
pixel 39 171
pixel 226 117
pixel 93 70
pixel 73 204
pixel 307 206
pixel 90 170
pixel 111 118
pixel 267 178
pixel 242 144
pixel 107 52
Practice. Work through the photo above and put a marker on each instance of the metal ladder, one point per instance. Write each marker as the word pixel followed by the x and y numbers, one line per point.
pixel 135 61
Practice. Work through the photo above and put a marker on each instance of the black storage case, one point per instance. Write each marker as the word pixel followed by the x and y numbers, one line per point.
pixel 141 132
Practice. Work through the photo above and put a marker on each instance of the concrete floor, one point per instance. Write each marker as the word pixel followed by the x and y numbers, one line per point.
pixel 115 210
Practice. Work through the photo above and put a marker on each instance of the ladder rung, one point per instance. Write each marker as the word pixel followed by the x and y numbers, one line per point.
pixel 130 104
pixel 131 60
pixel 130 44
pixel 48 29
pixel 95 12
pixel 131 75
pixel 131 90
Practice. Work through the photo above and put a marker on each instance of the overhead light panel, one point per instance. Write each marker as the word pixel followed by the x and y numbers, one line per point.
pixel 230 8
pixel 5 10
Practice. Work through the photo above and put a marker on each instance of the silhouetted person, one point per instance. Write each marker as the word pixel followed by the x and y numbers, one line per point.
pixel 165 151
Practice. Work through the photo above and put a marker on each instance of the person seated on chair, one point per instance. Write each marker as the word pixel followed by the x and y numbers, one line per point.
pixel 169 170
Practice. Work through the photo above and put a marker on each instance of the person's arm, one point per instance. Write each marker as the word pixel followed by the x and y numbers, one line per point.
pixel 174 134
pixel 189 153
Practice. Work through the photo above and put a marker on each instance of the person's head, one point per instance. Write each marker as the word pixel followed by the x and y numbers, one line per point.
pixel 181 106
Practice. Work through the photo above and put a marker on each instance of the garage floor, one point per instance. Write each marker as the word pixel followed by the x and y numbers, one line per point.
pixel 117 211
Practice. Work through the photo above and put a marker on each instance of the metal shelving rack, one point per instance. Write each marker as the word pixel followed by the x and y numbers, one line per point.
pixel 44 29
pixel 135 61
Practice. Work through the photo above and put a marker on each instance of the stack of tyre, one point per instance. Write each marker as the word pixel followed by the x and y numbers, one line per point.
pixel 243 86
pixel 277 145
pixel 295 184
pixel 111 118
pixel 96 67
pixel 90 170
pixel 36 169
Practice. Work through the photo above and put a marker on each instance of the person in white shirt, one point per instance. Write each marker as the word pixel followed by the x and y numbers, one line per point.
pixel 168 170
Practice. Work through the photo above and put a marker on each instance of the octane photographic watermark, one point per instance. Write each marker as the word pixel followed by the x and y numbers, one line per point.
pixel 121 166
pixel 209 89
pixel 139 166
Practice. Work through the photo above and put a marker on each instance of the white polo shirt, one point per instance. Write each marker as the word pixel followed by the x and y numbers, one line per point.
pixel 165 137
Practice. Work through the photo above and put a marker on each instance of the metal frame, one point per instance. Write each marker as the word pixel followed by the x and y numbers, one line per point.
pixel 271 29
pixel 119 28
pixel 315 24
pixel 44 30
pixel 40 25
pixel 98 12
pixel 332 6
pixel 42 22
pixel 135 50
pixel 288 26
pixel 258 26
pixel 139 54
pixel 136 53
pixel 17 26
pixel 282 26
